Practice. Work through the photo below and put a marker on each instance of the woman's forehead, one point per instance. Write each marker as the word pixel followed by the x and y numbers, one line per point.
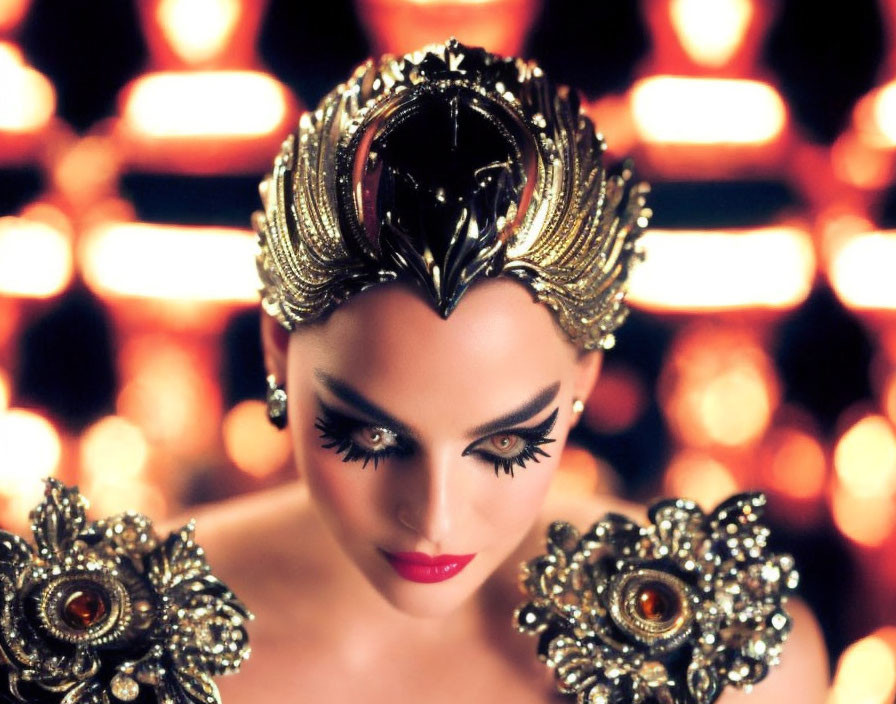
pixel 389 342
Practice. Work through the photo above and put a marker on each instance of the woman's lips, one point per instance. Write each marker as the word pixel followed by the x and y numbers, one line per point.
pixel 420 567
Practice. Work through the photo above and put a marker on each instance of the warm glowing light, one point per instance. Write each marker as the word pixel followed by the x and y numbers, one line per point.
pixel 868 520
pixel 890 398
pixel 711 31
pixel 700 478
pixel 198 30
pixel 165 395
pixel 582 474
pixel 35 259
pixel 110 496
pixel 883 113
pixel 206 104
pixel 676 109
pixel 11 12
pixel 618 400
pixel 861 270
pixel 713 270
pixel 31 451
pixel 795 464
pixel 856 161
pixel 114 453
pixel 113 447
pixel 865 457
pixel 718 388
pixel 171 262
pixel 29 100
pixel 866 673
pixel 4 391
pixel 252 443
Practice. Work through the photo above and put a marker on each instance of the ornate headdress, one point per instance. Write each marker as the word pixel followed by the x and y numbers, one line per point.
pixel 443 166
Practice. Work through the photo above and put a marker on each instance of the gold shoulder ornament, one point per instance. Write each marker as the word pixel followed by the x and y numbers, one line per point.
pixel 667 613
pixel 440 167
pixel 103 612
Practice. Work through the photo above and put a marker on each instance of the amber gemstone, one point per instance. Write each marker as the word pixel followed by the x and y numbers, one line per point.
pixel 656 602
pixel 85 607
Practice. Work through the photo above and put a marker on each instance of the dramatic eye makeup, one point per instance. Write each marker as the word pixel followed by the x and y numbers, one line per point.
pixel 515 446
pixel 358 440
pixel 503 442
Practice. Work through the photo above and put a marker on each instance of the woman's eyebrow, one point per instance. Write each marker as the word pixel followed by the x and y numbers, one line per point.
pixel 356 400
pixel 538 403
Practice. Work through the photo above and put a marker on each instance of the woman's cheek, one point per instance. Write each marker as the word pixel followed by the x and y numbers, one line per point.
pixel 517 500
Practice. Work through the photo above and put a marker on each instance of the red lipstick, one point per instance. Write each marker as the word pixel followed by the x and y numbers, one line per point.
pixel 420 567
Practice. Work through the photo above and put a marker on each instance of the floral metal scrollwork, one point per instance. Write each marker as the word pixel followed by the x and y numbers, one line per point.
pixel 101 612
pixel 667 613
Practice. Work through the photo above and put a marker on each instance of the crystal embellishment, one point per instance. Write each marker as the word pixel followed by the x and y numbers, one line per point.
pixel 104 611
pixel 670 612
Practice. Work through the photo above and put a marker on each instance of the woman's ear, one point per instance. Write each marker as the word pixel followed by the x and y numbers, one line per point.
pixel 275 344
pixel 587 369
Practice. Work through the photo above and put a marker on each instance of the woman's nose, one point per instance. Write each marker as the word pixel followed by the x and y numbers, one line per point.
pixel 431 505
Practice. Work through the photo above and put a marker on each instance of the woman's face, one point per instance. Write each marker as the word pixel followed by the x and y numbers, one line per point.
pixel 428 444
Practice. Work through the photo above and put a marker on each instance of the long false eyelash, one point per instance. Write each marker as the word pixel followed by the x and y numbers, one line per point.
pixel 337 429
pixel 534 437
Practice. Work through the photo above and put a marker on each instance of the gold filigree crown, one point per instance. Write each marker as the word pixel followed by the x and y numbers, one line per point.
pixel 444 166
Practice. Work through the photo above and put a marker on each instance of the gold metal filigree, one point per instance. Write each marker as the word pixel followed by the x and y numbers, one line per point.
pixel 670 612
pixel 566 229
pixel 105 612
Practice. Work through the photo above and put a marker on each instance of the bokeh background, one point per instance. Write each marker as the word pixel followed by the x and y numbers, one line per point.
pixel 761 352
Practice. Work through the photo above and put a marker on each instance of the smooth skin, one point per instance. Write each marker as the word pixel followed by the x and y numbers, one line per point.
pixel 334 621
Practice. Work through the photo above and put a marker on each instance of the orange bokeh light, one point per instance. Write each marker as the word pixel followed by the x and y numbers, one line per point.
pixel 719 388
pixel 866 671
pixel 252 443
pixel 699 477
pixel 400 26
pixel 582 474
pixel 859 163
pixel 31 451
pixel 114 455
pixel 794 464
pixel 711 31
pixel 205 104
pixel 113 447
pixel 29 100
pixel 861 270
pixel 167 398
pixel 890 398
pixel 35 258
pixel 198 30
pixel 5 391
pixel 212 264
pixel 11 12
pixel 865 458
pixel 717 270
pixel 685 110
pixel 617 402
pixel 867 520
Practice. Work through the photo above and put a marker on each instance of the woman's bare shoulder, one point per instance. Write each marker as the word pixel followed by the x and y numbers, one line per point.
pixel 242 535
pixel 803 675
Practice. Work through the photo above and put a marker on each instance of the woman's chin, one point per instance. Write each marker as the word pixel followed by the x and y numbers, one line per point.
pixel 425 599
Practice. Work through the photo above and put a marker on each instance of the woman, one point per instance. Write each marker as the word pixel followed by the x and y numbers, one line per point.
pixel 442 261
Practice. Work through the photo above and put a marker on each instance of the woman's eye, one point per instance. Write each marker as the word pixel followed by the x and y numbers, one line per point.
pixel 374 439
pixel 514 448
pixel 504 445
